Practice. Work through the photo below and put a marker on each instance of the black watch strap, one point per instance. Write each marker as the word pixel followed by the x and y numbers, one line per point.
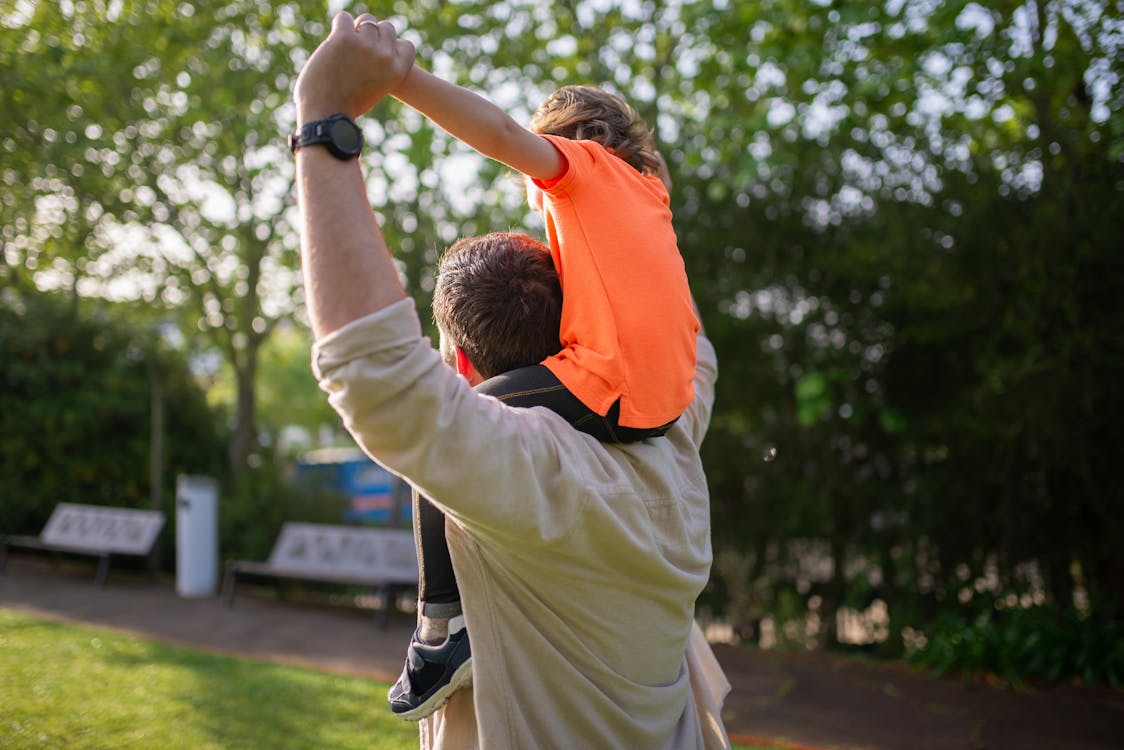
pixel 338 133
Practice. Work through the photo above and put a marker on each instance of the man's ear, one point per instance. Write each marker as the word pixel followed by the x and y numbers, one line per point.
pixel 463 363
pixel 466 368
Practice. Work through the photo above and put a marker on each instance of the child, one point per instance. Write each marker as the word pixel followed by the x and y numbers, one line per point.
pixel 628 328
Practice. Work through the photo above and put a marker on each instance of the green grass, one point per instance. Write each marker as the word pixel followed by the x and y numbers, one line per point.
pixel 84 688
pixel 67 686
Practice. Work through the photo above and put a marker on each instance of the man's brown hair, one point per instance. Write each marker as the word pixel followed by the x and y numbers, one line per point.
pixel 498 298
pixel 587 113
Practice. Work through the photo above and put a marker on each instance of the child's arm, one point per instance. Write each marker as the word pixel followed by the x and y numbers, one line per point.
pixel 480 124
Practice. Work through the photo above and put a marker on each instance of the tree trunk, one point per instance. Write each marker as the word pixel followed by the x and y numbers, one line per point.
pixel 835 591
pixel 244 439
pixel 156 447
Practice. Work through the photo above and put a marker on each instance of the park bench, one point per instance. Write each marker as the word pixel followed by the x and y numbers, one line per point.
pixel 96 530
pixel 382 559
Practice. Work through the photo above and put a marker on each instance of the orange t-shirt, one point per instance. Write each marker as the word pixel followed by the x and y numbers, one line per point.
pixel 628 323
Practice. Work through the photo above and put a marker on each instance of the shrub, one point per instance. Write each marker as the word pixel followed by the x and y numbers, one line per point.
pixel 253 508
pixel 76 410
pixel 1027 643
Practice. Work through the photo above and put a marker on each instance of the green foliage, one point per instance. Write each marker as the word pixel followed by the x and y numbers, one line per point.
pixel 287 392
pixel 909 302
pixel 75 410
pixel 1021 644
pixel 176 176
pixel 253 507
pixel 901 221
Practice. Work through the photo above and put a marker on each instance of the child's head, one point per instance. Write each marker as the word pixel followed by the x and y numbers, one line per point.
pixel 587 113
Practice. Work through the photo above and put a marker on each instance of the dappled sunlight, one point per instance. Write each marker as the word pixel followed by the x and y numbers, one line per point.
pixel 901 222
pixel 89 688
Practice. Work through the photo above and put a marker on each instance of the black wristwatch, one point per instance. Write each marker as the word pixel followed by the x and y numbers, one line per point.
pixel 338 133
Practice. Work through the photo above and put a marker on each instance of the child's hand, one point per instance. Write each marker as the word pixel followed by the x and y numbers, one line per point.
pixel 360 62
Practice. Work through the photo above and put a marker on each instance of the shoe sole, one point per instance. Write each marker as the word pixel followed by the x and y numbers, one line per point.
pixel 460 678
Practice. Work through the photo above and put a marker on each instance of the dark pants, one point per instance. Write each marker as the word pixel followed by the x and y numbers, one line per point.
pixel 525 387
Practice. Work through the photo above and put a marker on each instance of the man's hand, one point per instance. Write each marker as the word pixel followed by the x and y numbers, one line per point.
pixel 359 63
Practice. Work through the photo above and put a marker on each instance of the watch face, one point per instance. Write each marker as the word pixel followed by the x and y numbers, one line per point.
pixel 346 137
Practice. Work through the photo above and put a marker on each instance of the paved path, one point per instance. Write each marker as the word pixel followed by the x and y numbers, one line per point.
pixel 802 700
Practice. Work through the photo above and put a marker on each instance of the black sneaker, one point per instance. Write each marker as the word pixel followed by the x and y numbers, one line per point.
pixel 431 675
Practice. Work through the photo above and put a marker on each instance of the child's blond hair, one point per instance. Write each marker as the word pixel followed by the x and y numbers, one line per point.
pixel 587 113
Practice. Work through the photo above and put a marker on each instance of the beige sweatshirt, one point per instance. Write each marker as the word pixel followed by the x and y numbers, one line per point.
pixel 578 562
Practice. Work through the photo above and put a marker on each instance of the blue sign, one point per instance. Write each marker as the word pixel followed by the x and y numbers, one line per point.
pixel 375 496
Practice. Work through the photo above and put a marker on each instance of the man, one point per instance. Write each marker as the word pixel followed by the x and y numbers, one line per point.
pixel 579 562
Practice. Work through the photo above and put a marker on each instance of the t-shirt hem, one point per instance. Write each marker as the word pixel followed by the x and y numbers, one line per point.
pixel 583 386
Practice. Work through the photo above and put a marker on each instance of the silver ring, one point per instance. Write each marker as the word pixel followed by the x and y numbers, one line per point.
pixel 366 22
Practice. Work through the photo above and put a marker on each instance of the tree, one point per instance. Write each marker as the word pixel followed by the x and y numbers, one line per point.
pixel 899 219
pixel 839 180
pixel 169 118
pixel 288 396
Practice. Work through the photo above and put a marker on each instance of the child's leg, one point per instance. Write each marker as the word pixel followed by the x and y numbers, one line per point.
pixel 537 386
pixel 438 660
pixel 438 596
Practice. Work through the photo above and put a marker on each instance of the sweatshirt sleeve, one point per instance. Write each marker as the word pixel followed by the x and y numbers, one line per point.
pixel 697 416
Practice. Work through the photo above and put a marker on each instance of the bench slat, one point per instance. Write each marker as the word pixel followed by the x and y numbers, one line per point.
pixel 360 556
pixel 97 530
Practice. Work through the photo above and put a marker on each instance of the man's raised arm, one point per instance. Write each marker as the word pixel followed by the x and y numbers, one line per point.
pixel 348 272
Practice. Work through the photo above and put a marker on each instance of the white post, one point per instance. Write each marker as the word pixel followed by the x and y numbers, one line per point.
pixel 197 553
